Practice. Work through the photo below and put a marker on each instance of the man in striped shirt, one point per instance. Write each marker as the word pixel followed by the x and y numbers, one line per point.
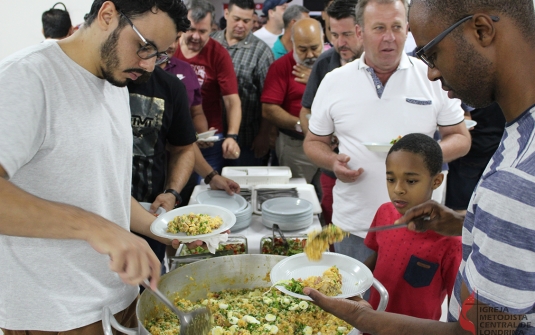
pixel 482 51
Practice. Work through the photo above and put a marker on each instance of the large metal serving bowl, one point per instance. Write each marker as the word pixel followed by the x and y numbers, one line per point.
pixel 195 280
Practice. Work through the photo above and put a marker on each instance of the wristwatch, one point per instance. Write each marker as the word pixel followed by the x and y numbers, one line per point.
pixel 210 176
pixel 176 194
pixel 233 136
pixel 298 126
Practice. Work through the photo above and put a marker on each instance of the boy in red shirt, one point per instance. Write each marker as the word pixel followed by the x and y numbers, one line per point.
pixel 417 269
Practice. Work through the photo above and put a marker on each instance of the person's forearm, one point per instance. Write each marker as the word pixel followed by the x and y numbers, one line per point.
pixel 180 166
pixel 279 117
pixel 233 106
pixel 303 117
pixel 455 146
pixel 319 152
pixel 25 215
pixel 265 128
pixel 201 167
pixel 140 218
pixel 199 119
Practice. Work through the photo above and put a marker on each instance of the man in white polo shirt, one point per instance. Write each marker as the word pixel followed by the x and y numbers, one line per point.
pixel 382 95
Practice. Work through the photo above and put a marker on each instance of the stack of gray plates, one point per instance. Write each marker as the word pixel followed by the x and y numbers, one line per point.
pixel 234 203
pixel 288 213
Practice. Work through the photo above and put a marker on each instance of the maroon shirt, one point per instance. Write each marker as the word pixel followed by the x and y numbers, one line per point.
pixel 217 78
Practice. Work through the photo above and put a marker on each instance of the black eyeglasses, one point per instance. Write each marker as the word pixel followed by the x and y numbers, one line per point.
pixel 420 53
pixel 149 50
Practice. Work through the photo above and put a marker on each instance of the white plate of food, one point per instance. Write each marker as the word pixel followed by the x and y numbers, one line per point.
pixel 207 134
pixel 378 147
pixel 159 227
pixel 356 277
pixel 470 123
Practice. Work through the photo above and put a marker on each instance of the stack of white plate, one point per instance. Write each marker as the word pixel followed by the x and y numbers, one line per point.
pixel 243 218
pixel 234 203
pixel 288 213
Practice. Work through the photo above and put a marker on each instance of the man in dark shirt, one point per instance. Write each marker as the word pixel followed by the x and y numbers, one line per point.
pixel 160 120
pixel 251 58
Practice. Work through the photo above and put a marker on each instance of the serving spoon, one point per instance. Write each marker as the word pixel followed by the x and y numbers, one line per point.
pixel 196 322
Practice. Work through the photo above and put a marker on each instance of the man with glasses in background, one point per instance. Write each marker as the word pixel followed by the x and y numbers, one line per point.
pixel 481 51
pixel 382 95
pixel 65 172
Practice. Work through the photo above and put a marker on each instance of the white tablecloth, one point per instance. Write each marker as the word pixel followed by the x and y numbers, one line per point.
pixel 257 230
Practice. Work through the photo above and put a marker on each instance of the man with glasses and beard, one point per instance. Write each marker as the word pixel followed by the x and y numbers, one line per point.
pixel 382 95
pixel 283 91
pixel 65 165
pixel 481 51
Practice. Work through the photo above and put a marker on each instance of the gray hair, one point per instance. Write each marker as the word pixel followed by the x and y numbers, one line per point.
pixel 294 12
pixel 361 6
pixel 200 8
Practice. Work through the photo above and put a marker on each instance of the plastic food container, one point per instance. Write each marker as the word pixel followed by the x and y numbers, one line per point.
pixel 296 244
pixel 256 175
pixel 236 245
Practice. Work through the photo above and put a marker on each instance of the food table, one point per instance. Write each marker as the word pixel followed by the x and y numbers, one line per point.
pixel 257 230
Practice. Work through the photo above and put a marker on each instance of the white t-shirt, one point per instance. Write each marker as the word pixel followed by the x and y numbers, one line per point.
pixel 266 36
pixel 66 137
pixel 347 104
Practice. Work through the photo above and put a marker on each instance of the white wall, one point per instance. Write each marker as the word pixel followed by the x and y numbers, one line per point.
pixel 20 20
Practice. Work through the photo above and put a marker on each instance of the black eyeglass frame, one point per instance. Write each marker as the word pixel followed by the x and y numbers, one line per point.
pixel 420 53
pixel 161 57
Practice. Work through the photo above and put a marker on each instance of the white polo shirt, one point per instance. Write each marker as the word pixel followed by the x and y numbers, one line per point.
pixel 358 109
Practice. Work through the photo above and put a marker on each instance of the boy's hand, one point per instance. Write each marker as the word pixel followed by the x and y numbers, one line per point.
pixel 442 219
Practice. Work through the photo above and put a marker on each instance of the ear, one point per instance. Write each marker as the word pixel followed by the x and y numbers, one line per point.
pixel 226 14
pixel 359 31
pixel 437 180
pixel 107 15
pixel 483 29
pixel 43 32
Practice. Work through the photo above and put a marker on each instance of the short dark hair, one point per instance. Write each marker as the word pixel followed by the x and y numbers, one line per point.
pixel 293 13
pixel 243 4
pixel 424 146
pixel 134 8
pixel 56 22
pixel 449 11
pixel 342 9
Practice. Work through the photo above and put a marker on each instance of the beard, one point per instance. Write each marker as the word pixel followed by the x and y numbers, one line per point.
pixel 110 59
pixel 308 62
pixel 475 87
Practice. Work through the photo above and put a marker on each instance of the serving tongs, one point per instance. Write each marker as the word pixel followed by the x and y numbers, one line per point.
pixel 285 243
pixel 196 322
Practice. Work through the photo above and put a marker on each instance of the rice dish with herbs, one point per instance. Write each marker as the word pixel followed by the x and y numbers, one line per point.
pixel 194 224
pixel 251 312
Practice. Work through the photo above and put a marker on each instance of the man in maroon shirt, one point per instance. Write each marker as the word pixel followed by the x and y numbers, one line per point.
pixel 282 94
pixel 215 72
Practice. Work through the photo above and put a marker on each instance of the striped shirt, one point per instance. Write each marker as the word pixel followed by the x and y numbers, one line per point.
pixel 499 229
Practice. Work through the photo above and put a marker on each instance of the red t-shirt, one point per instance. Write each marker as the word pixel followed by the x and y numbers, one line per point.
pixel 214 69
pixel 280 87
pixel 417 269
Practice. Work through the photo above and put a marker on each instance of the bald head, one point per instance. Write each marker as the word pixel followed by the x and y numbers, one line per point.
pixel 307 38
